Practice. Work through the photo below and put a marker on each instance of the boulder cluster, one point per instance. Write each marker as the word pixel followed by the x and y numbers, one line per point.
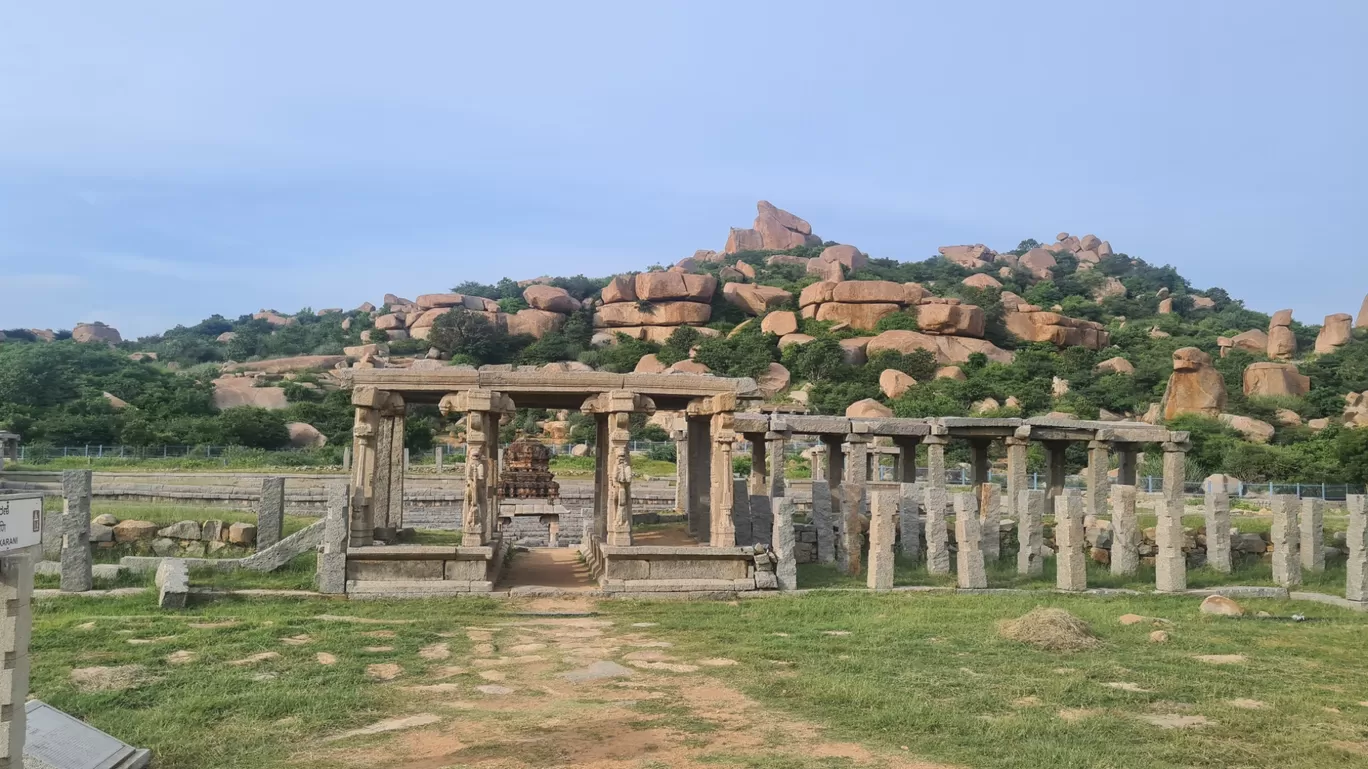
pixel 774 230
pixel 96 332
pixel 651 305
pixel 548 308
pixel 185 539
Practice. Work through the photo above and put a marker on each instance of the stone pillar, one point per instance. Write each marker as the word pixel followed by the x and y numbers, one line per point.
pixel 1030 532
pixel 1125 550
pixel 346 459
pixel 969 569
pixel 331 573
pixel 620 479
pixel 849 555
pixel 1312 540
pixel 16 627
pixel 936 501
pixel 990 516
pixel 1071 558
pixel 602 458
pixel 1217 506
pixel 741 513
pixel 270 512
pixel 761 522
pixel 835 460
pixel 1126 465
pixel 699 460
pixel 406 460
pixel 822 521
pixel 1055 473
pixel 909 520
pixel 1017 479
pixel 907 459
pixel 1097 489
pixel 785 544
pixel 979 463
pixel 680 435
pixel 387 514
pixel 883 505
pixel 777 448
pixel 365 450
pixel 475 503
pixel 1284 537
pixel 856 448
pixel 758 482
pixel 1170 565
pixel 76 558
pixel 723 534
pixel 819 462
pixel 1357 587
pixel 437 457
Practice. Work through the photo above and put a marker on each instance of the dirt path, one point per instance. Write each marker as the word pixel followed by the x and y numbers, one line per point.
pixel 589 692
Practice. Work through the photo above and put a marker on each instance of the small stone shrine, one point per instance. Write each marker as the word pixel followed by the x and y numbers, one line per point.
pixel 526 472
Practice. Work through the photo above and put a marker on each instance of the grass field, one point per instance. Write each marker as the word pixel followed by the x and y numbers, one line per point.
pixel 826 680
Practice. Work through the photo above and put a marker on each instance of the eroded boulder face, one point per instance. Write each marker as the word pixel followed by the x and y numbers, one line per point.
pixel 234 391
pixel 1355 410
pixel 534 323
pixel 1282 343
pixel 274 318
pixel 1039 262
pixel 1117 365
pixel 1195 387
pixel 947 349
pixel 656 314
pixel 551 299
pixel 950 319
pixel 666 286
pixel 1033 325
pixel 96 332
pixel 1275 379
pixel 975 257
pixel 868 409
pixel 774 230
pixel 1254 341
pixel 287 365
pixel 756 300
pixel 1363 314
pixel 861 316
pixel 846 256
pixel 1252 429
pixel 305 436
pixel 1337 332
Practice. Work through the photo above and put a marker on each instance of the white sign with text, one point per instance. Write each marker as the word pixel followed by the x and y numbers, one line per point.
pixel 21 522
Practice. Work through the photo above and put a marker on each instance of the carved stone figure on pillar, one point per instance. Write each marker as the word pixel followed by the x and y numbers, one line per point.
pixel 472 519
pixel 620 498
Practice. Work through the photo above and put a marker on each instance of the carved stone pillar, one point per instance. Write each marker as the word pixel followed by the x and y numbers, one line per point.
pixel 389 486
pixel 1055 473
pixel 936 501
pixel 1098 489
pixel 619 479
pixel 777 449
pixel 1125 464
pixel 1018 480
pixel 365 430
pixel 723 533
pixel 479 507
pixel 698 467
pixel 819 462
pixel 907 459
pixel 835 460
pixel 680 436
pixel 757 483
pixel 1170 565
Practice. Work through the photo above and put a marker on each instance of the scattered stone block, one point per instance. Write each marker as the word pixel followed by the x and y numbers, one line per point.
pixel 1071 565
pixel 883 506
pixel 181 530
pixel 784 539
pixel 969 569
pixel 1221 606
pixel 213 531
pixel 105 520
pixel 173 583
pixel 134 531
pixel 242 534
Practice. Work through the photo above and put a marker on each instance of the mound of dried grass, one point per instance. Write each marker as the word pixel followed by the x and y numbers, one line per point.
pixel 1053 630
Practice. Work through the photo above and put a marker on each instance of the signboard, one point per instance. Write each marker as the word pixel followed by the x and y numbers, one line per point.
pixel 21 521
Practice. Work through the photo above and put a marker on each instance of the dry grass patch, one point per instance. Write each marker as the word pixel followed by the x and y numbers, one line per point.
pixel 1054 630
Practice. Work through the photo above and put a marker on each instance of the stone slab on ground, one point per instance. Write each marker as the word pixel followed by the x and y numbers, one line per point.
pixel 55 740
pixel 597 671
pixel 173 583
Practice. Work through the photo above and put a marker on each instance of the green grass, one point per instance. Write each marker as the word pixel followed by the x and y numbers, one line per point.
pixel 579 467
pixel 928 671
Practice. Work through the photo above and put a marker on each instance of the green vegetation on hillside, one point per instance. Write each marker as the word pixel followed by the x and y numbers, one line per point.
pixel 52 393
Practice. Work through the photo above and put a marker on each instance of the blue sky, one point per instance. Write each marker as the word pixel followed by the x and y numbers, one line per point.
pixel 160 162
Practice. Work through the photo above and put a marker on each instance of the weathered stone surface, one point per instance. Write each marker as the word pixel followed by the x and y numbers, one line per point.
pixel 1357 544
pixel 1220 606
pixel 883 506
pixel 656 314
pixel 868 292
pixel 95 332
pixel 1275 379
pixel 1284 535
pixel 76 574
pixel 241 534
pixel 990 516
pixel 1311 535
pixel 969 568
pixel 779 323
pixel 982 280
pixel 305 436
pixel 861 316
pixel 774 380
pixel 1071 564
pixel 846 256
pixel 1195 387
pixel 910 520
pixel 1057 329
pixel 950 319
pixel 785 544
pixel 780 229
pixel 674 286
pixel 181 530
pixel 974 256
pixel 791 339
pixel 1039 262
pixel 649 364
pixel 822 520
pixel 894 383
pixel 533 323
pixel 1252 429
pixel 173 583
pixel 948 349
pixel 1282 343
pixel 1125 549
pixel 869 409
pixel 550 298
pixel 1217 508
pixel 853 350
pixel 743 239
pixel 1170 563
pixel 232 392
pixel 951 372
pixel 1251 341
pixel 934 503
pixel 134 531
pixel 756 300
pixel 817 293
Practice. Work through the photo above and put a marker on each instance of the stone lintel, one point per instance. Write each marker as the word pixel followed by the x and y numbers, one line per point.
pixel 660 551
pixel 420 552
pixel 466 401
pixel 753 423
pixel 616 401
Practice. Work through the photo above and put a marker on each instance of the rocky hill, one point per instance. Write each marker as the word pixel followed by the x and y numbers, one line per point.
pixel 1070 326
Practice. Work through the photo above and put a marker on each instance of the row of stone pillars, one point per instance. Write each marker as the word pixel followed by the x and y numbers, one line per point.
pixel 704 447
